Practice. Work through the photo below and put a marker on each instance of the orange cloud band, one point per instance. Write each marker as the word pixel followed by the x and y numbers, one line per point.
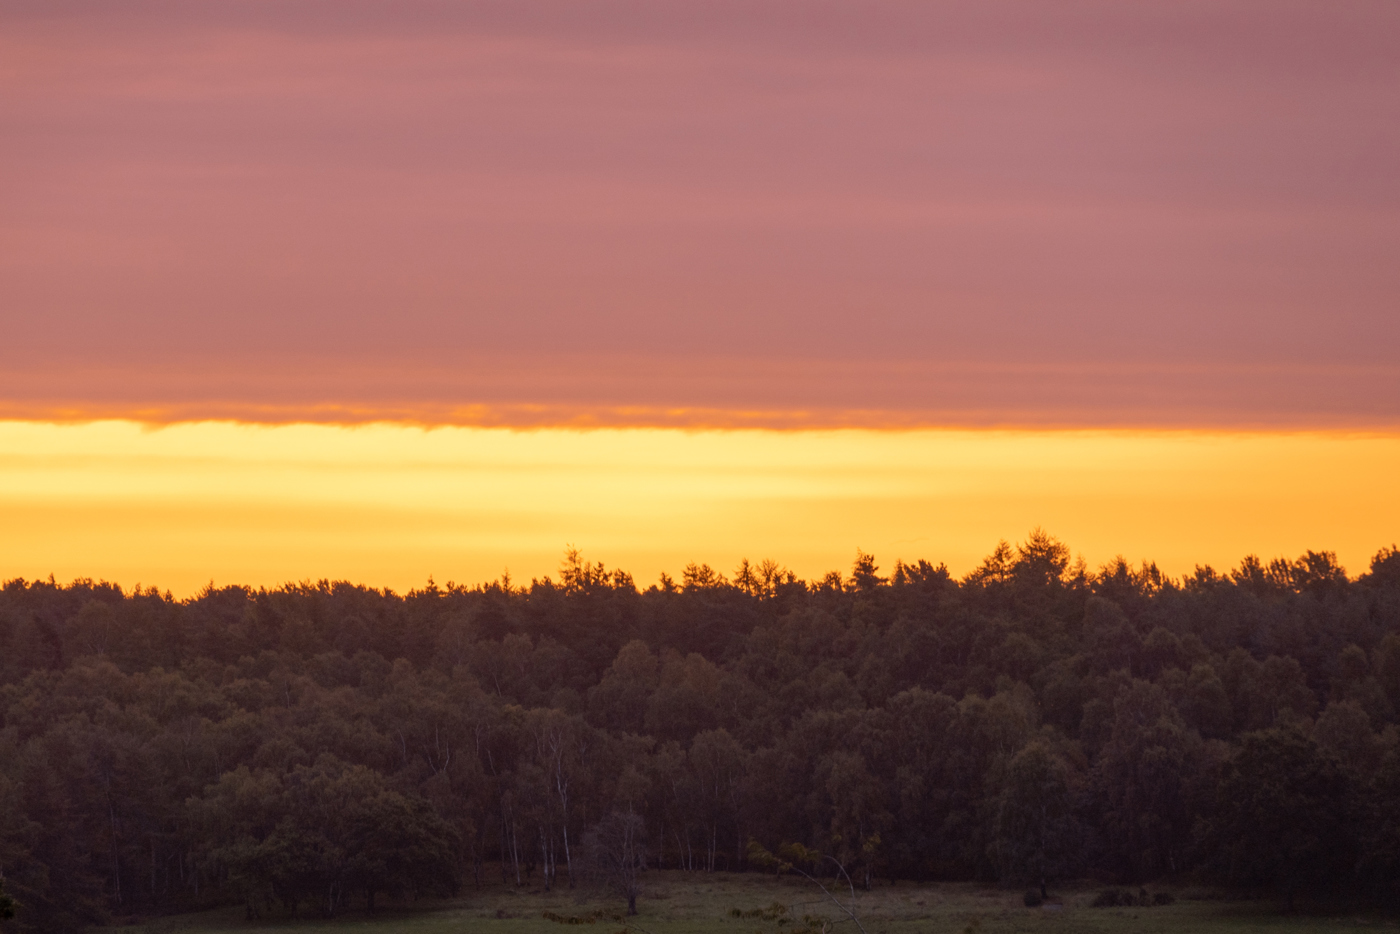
pixel 660 391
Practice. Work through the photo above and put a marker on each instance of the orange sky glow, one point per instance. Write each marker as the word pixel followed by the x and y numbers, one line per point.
pixel 389 505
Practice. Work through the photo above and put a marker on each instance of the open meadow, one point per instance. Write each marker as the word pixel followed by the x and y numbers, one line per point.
pixel 685 903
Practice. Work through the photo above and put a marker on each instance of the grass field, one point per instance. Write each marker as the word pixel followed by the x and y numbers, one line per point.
pixel 683 903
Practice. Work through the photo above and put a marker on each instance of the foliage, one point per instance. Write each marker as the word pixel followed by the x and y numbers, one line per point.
pixel 1035 835
pixel 1283 813
pixel 320 745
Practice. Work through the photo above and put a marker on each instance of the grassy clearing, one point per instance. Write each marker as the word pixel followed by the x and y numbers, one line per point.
pixel 684 903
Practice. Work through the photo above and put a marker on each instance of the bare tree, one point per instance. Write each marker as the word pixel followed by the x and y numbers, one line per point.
pixel 759 856
pixel 615 855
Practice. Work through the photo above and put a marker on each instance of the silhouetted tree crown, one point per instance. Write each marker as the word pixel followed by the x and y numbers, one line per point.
pixel 322 745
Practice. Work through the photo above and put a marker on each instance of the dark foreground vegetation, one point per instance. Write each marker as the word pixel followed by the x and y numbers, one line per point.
pixel 317 746
pixel 684 902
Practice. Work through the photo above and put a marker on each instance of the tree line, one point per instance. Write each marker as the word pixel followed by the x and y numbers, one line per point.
pixel 316 747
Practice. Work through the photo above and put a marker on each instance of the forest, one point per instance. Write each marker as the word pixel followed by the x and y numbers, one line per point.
pixel 318 746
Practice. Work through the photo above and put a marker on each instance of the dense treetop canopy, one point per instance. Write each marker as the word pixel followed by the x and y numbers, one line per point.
pixel 316 746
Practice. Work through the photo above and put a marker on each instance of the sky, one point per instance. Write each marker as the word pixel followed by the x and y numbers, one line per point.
pixel 180 506
pixel 776 220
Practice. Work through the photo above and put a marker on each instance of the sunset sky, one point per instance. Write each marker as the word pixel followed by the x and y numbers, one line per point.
pixel 378 291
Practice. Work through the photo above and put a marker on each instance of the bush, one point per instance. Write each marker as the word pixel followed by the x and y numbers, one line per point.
pixel 1032 899
pixel 1122 898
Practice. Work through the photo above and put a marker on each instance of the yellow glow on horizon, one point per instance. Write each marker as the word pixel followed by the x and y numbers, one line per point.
pixel 388 505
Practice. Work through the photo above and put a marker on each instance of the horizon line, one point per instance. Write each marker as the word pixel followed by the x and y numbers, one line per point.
pixel 504 583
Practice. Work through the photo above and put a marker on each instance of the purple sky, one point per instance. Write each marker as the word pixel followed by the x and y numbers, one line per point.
pixel 1079 212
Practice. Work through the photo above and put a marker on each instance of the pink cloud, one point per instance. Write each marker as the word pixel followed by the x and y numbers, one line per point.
pixel 1203 189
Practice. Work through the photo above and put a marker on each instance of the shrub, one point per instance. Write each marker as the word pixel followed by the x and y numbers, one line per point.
pixel 1031 898
pixel 1122 898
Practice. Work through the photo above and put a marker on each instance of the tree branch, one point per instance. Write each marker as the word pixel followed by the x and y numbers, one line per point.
pixel 851 911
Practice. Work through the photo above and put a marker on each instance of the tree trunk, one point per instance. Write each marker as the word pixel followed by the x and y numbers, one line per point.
pixel 116 865
pixel 504 877
pixel 515 853
pixel 568 856
pixel 1043 822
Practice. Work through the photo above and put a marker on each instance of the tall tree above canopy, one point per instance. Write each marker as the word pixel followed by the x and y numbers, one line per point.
pixel 863 573
pixel 1040 560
